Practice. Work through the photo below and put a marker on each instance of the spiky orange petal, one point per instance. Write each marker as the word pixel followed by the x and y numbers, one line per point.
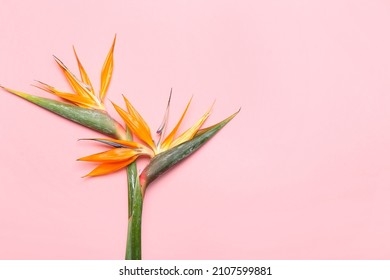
pixel 136 123
pixel 168 140
pixel 83 74
pixel 109 167
pixel 106 74
pixel 75 99
pixel 189 134
pixel 144 150
pixel 78 86
pixel 113 155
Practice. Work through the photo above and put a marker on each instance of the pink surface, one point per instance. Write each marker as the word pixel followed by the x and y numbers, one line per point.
pixel 301 173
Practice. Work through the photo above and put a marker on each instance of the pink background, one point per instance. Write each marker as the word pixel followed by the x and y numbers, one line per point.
pixel 301 173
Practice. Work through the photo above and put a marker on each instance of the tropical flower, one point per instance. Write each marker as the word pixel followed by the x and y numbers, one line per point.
pixel 83 106
pixel 84 94
pixel 126 152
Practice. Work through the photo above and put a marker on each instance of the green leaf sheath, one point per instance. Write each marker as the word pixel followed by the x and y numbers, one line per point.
pixel 133 244
pixel 92 118
pixel 166 160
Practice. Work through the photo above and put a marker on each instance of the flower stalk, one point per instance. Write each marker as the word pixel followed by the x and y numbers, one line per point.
pixel 133 244
pixel 135 202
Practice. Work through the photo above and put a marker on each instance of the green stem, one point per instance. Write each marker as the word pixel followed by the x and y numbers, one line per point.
pixel 135 200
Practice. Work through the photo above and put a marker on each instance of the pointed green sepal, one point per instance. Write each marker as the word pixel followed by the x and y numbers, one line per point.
pixel 92 118
pixel 166 160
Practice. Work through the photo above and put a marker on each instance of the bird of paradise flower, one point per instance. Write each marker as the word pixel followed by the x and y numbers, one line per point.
pixel 87 108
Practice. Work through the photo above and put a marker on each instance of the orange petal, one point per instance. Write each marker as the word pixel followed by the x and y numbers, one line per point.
pixel 109 167
pixel 189 134
pixel 75 99
pixel 136 123
pixel 167 142
pixel 83 73
pixel 79 87
pixel 113 155
pixel 106 74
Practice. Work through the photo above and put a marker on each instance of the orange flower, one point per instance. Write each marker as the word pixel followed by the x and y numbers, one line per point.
pixel 87 108
pixel 126 152
pixel 84 94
